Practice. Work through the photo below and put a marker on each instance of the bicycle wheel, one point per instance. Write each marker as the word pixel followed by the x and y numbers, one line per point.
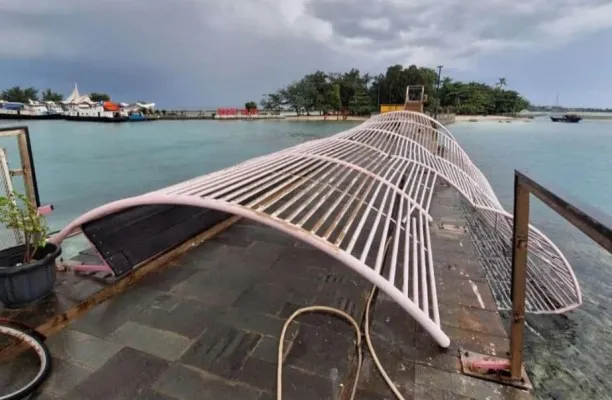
pixel 25 362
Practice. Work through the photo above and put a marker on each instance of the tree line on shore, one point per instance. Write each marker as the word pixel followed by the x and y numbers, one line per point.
pixel 23 95
pixel 362 94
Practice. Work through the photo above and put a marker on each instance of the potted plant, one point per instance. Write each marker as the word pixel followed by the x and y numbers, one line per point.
pixel 27 271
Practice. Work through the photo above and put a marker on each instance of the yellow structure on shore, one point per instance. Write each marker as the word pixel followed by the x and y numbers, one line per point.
pixel 415 98
pixel 385 108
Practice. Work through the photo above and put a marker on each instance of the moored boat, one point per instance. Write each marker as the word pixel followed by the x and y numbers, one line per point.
pixel 20 111
pixel 82 108
pixel 94 114
pixel 136 116
pixel 571 118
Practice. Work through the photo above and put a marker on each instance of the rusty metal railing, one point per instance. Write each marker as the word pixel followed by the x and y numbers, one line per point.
pixel 592 222
pixel 13 237
pixel 27 171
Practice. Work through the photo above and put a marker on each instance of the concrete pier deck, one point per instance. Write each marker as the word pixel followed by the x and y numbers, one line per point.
pixel 208 326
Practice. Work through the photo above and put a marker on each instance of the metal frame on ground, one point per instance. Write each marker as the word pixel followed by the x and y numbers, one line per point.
pixel 348 194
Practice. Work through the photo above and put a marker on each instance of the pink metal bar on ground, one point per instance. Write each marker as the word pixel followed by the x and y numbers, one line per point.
pixel 45 210
pixel 89 268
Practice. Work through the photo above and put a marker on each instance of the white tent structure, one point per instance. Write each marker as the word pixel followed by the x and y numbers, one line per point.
pixel 76 98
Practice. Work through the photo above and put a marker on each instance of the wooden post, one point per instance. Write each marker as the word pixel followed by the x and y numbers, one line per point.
pixel 26 168
pixel 519 276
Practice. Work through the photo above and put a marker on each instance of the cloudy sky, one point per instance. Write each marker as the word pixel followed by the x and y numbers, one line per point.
pixel 208 53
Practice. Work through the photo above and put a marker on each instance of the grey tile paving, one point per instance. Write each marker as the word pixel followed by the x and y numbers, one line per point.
pixel 255 232
pixel 221 350
pixel 200 287
pixel 297 384
pixel 43 396
pixel 80 348
pixel 257 322
pixel 453 291
pixel 187 317
pixel 150 394
pixel 320 351
pixel 429 393
pixel 473 319
pixel 267 348
pixel 401 372
pixel 364 395
pixel 186 383
pixel 272 297
pixel 222 306
pixel 478 342
pixel 64 377
pixel 163 344
pixel 307 261
pixel 125 376
pixel 432 378
pixel 165 279
pixel 479 389
pixel 108 316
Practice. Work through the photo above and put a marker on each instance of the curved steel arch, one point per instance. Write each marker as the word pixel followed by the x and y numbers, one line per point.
pixel 383 174
pixel 242 211
pixel 552 285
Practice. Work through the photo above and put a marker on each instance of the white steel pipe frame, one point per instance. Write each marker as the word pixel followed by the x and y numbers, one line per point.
pixel 347 195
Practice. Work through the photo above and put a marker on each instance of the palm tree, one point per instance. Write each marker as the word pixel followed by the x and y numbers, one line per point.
pixel 501 83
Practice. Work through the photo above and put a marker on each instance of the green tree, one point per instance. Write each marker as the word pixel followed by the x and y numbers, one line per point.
pixel 271 101
pixel 360 93
pixel 95 96
pixel 360 103
pixel 335 100
pixel 317 92
pixel 294 96
pixel 478 98
pixel 19 95
pixel 251 105
pixel 48 95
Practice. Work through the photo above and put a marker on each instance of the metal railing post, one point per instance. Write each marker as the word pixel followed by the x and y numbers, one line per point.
pixel 519 276
pixel 590 221
pixel 23 143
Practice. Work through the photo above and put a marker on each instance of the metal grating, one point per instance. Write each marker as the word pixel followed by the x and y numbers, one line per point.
pixel 363 196
pixel 8 237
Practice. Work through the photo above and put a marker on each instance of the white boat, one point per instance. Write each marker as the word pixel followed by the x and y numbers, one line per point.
pixel 33 110
pixel 82 108
pixel 96 113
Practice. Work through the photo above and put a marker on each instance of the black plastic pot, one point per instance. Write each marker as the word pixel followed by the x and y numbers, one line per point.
pixel 25 284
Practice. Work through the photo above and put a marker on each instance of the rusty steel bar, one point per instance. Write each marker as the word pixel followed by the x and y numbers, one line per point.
pixel 520 238
pixel 592 222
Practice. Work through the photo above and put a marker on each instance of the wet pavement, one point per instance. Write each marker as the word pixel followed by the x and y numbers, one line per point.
pixel 208 326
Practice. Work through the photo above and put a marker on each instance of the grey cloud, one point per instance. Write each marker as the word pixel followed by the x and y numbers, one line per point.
pixel 148 49
pixel 203 52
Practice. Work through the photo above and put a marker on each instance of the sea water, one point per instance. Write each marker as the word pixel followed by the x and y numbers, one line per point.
pixel 83 165
pixel 566 355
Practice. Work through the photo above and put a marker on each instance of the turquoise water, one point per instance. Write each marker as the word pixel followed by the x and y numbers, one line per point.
pixel 83 165
pixel 568 355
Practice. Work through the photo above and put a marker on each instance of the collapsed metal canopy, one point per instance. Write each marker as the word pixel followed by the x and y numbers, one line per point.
pixel 363 196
